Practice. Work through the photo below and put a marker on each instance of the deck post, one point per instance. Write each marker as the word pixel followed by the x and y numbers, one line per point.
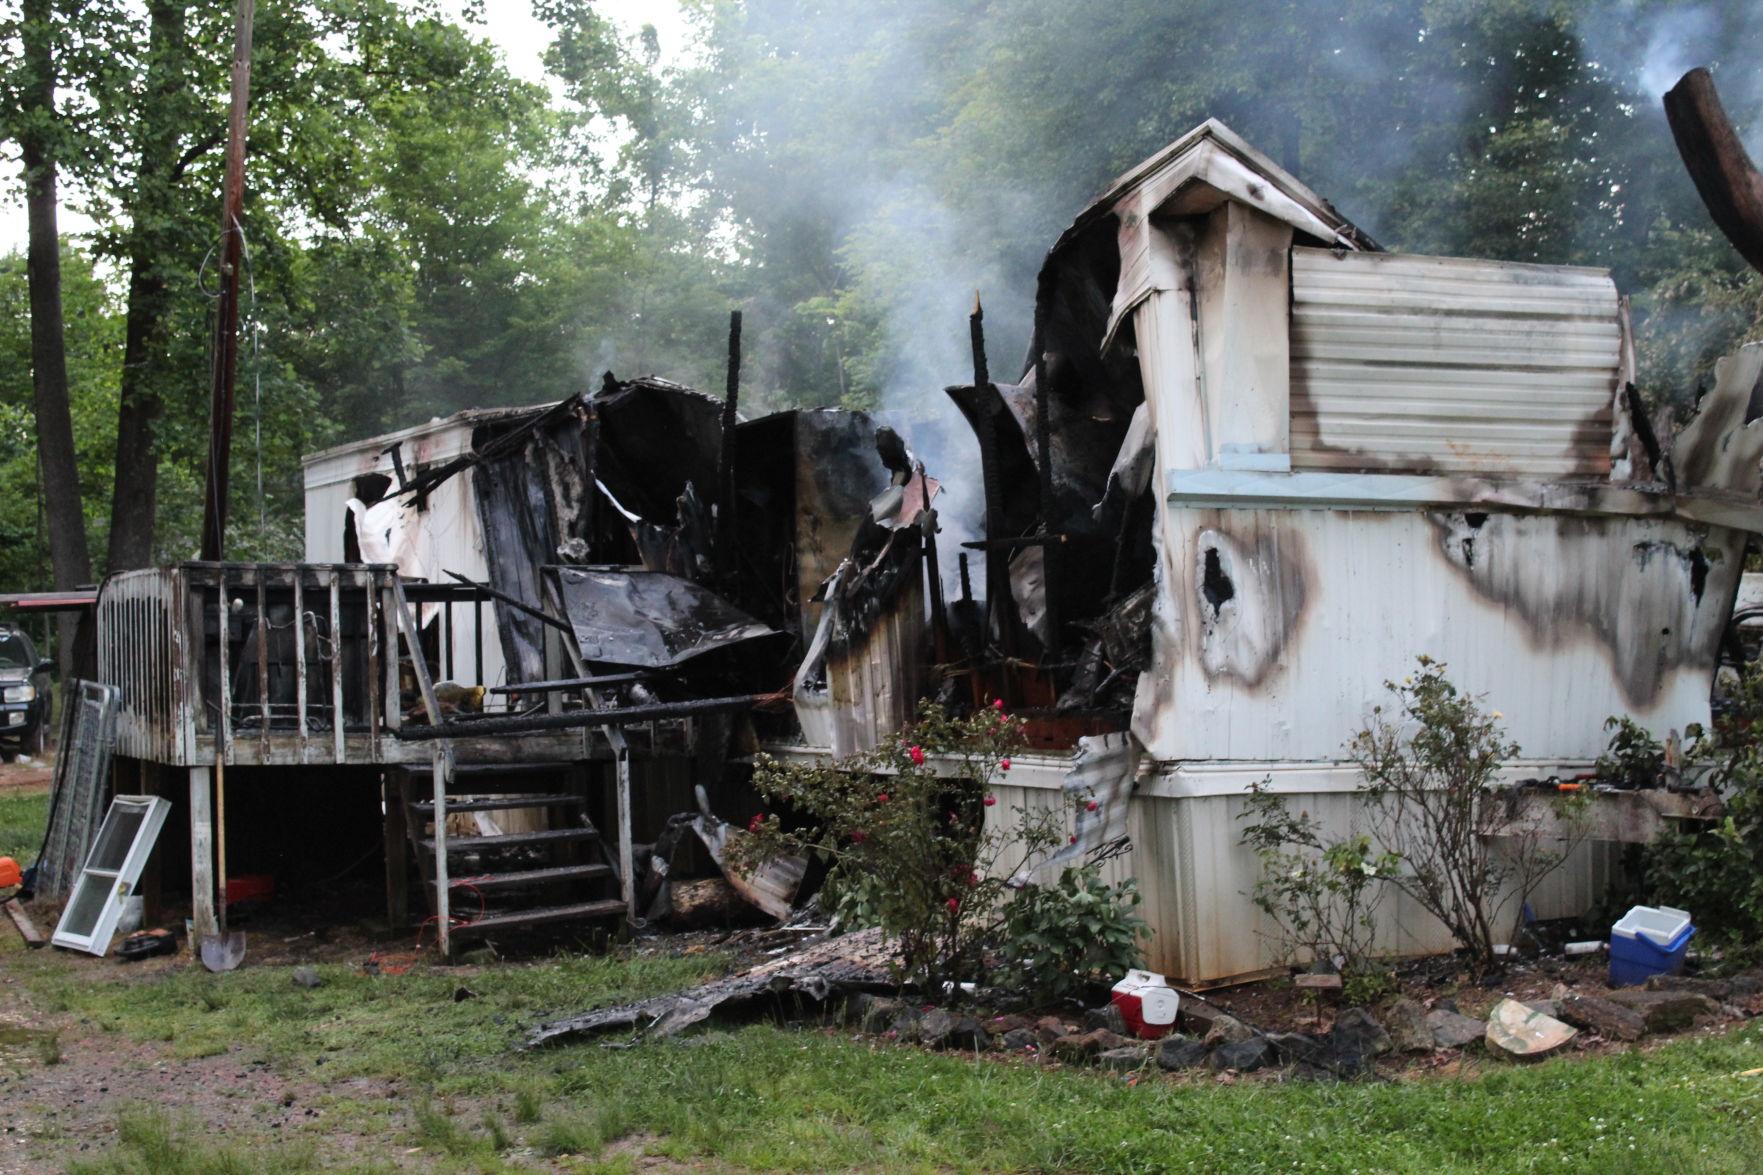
pixel 201 856
pixel 396 825
pixel 626 889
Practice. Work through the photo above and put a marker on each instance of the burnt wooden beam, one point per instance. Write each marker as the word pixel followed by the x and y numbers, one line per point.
pixel 1716 159
pixel 725 464
pixel 1000 613
pixel 518 604
pixel 544 687
pixel 576 719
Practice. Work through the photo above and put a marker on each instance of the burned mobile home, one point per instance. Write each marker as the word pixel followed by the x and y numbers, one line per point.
pixel 1252 467
pixel 522 638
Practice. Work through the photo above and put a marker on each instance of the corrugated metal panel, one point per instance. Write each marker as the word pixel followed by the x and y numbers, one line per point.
pixel 1412 363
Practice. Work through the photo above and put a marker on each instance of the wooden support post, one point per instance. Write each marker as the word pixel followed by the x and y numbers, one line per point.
pixel 443 776
pixel 626 889
pixel 397 825
pixel 336 660
pixel 300 661
pixel 201 855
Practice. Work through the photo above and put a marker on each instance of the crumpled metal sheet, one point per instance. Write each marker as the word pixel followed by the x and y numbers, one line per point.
pixel 1103 772
pixel 647 619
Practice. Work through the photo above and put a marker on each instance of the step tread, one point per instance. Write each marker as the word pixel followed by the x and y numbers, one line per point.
pixel 572 913
pixel 495 803
pixel 530 877
pixel 510 839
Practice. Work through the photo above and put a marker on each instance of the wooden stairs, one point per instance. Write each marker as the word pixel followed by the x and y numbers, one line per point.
pixel 499 880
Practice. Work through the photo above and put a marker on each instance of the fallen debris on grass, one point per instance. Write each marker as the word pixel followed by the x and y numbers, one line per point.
pixel 820 971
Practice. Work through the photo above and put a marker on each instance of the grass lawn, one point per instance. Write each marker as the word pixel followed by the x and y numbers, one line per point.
pixel 765 1098
pixel 23 813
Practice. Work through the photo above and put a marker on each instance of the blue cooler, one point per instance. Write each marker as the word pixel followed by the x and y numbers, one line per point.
pixel 1648 940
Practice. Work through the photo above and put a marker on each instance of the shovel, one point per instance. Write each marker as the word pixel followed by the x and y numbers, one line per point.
pixel 221 951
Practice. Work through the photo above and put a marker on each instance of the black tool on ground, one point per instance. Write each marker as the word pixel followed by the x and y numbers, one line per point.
pixel 144 944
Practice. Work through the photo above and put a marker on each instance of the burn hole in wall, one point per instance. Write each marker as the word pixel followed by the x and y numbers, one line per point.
pixel 369 488
pixel 1473 521
pixel 1215 584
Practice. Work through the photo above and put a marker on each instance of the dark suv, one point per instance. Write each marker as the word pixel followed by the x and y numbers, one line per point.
pixel 26 702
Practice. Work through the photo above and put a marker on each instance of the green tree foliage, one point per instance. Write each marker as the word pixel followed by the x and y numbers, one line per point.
pixel 1716 871
pixel 428 232
pixel 94 355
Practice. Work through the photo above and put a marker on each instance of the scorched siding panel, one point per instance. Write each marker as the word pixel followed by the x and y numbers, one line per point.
pixel 1450 365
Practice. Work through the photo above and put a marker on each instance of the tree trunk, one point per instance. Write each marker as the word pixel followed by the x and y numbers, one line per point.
pixel 63 511
pixel 134 507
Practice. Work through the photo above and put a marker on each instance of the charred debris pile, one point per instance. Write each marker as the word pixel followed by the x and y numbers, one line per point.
pixel 702 562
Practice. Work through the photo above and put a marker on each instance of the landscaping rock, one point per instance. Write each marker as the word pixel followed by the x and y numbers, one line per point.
pixel 1244 1055
pixel 1453 1030
pixel 1177 1053
pixel 1550 1008
pixel 1356 1039
pixel 1205 1021
pixel 1666 1011
pixel 969 1033
pixel 1107 1016
pixel 1295 1048
pixel 934 1027
pixel 871 1013
pixel 306 977
pixel 1518 1031
pixel 1002 1025
pixel 1721 990
pixel 1405 1021
pixel 1084 1046
pixel 1129 1057
pixel 1050 1028
pixel 905 1023
pixel 1609 1020
pixel 1018 1039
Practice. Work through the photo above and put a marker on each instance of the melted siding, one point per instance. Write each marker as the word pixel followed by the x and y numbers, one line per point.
pixel 1444 364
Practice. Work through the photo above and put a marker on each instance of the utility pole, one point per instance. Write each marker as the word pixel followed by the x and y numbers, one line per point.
pixel 226 319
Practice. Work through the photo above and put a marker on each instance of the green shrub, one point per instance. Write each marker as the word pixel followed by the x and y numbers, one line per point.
pixel 1716 872
pixel 1428 769
pixel 1055 938
pixel 1324 894
pixel 904 828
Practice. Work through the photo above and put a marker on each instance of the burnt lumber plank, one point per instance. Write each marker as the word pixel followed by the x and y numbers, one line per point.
pixel 27 929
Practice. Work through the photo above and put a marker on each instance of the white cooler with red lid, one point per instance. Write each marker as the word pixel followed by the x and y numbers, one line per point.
pixel 1147 1003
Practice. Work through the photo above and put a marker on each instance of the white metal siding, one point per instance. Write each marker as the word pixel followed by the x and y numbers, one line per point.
pixel 1197 876
pixel 1560 621
pixel 1413 363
